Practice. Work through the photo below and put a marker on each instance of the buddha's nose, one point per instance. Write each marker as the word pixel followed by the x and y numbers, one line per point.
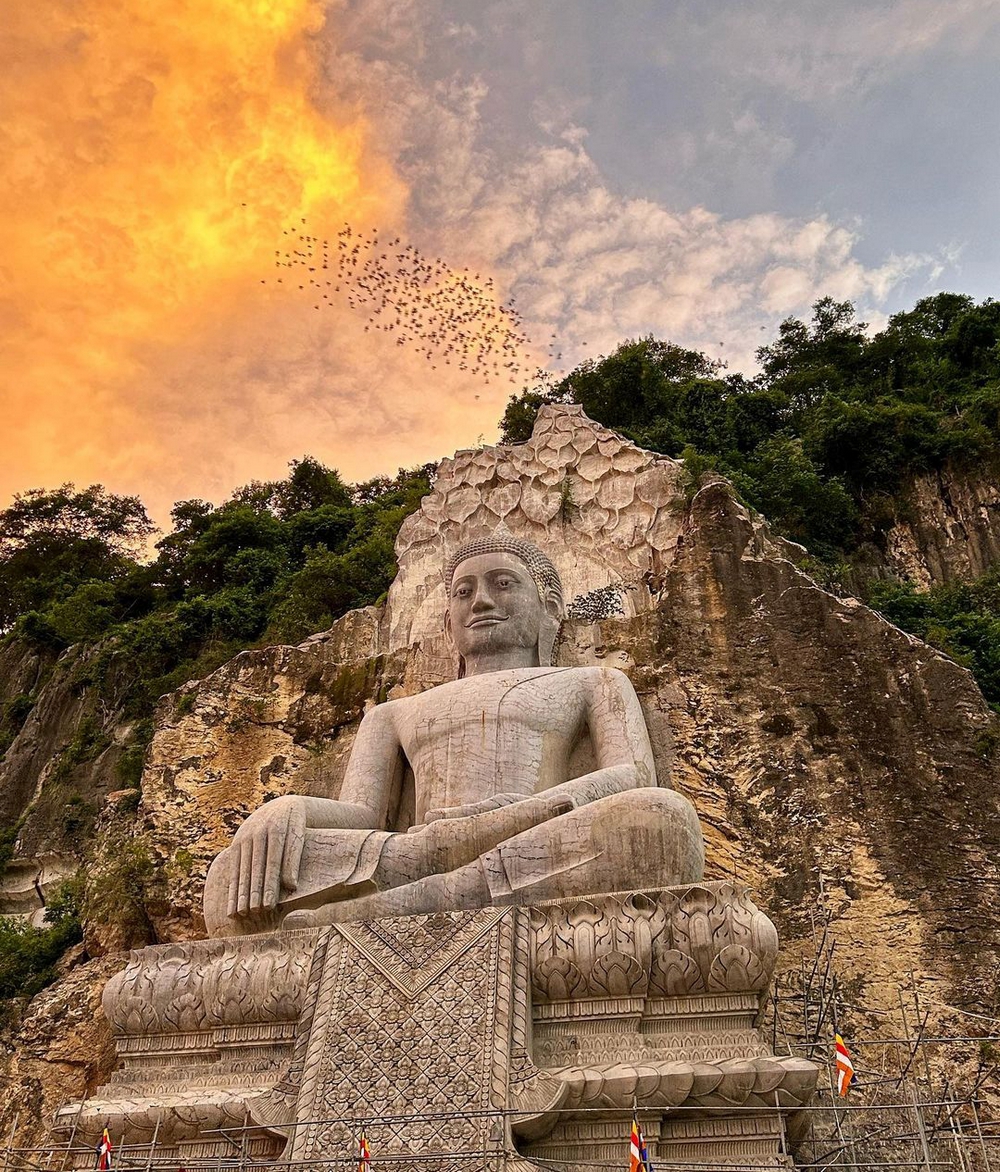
pixel 482 601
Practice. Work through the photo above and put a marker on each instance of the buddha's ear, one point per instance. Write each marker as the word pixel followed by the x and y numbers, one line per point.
pixel 459 661
pixel 549 630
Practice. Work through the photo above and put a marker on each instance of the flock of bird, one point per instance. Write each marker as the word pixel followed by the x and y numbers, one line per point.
pixel 453 318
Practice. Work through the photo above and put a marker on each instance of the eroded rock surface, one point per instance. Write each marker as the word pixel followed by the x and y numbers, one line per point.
pixel 61 1048
pixel 949 530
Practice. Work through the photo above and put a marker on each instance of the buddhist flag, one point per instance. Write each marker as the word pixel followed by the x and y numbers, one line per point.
pixel 104 1152
pixel 638 1157
pixel 845 1067
pixel 364 1154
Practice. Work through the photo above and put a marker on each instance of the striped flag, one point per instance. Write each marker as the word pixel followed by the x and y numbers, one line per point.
pixel 104 1152
pixel 638 1157
pixel 845 1067
pixel 364 1154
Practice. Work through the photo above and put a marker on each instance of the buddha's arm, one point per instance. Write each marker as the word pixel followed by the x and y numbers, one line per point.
pixel 268 846
pixel 620 739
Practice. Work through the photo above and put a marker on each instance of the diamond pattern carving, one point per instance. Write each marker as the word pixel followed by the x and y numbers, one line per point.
pixel 412 1034
pixel 412 960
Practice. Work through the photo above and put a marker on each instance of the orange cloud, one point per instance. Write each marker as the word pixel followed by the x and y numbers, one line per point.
pixel 153 153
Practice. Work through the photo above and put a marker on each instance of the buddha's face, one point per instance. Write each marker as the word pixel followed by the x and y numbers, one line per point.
pixel 494 608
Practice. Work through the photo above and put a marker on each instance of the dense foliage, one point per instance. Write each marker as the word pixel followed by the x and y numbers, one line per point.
pixel 53 540
pixel 827 433
pixel 961 620
pixel 29 955
pixel 276 562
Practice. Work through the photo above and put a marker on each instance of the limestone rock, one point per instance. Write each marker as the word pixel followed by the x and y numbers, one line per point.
pixel 949 530
pixel 46 766
pixel 26 884
pixel 61 1048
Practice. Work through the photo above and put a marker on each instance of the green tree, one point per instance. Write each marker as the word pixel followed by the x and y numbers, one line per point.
pixel 639 385
pixel 54 541
pixel 785 485
pixel 823 356
pixel 310 485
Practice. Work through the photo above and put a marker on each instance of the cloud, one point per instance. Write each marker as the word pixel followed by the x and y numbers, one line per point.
pixel 817 51
pixel 598 266
pixel 586 262
pixel 153 153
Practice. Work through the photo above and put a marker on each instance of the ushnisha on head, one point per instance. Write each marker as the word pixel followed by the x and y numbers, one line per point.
pixel 505 603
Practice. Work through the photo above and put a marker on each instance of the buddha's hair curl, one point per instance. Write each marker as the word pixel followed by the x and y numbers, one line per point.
pixel 543 572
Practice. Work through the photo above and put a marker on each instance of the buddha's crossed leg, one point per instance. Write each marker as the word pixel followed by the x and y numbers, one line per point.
pixel 641 838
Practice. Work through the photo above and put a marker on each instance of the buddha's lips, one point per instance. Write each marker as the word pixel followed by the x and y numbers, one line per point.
pixel 487 621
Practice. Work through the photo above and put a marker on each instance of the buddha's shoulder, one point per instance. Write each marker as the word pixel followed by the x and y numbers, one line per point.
pixel 595 677
pixel 544 678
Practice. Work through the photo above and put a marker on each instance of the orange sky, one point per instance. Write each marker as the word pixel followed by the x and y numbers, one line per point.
pixel 154 152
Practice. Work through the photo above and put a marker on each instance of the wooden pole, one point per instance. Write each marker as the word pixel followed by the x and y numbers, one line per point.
pixel 979 1133
pixel 10 1143
pixel 72 1137
pixel 152 1145
pixel 920 1127
pixel 246 1136
pixel 953 1123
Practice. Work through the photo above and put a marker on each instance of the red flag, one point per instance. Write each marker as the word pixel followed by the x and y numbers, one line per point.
pixel 638 1157
pixel 845 1067
pixel 364 1154
pixel 104 1152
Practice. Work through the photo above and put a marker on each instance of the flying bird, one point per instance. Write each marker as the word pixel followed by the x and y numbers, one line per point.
pixel 424 302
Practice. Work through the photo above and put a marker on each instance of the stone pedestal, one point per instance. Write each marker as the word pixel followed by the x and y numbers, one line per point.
pixel 461 1040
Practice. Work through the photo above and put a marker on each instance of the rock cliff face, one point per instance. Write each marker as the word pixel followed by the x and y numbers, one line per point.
pixel 949 530
pixel 831 757
pixel 60 764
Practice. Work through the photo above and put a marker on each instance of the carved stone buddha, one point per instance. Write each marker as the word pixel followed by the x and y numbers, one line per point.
pixel 516 783
pixel 506 946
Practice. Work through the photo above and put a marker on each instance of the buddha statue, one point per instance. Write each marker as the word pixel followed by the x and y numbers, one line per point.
pixel 517 782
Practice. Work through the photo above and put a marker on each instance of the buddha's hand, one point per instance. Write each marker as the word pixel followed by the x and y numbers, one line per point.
pixel 536 807
pixel 267 851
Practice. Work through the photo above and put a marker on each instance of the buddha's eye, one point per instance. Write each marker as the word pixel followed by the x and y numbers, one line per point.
pixel 462 591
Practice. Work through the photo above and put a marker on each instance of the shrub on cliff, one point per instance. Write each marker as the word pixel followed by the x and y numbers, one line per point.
pixel 29 955
pixel 278 560
pixel 962 620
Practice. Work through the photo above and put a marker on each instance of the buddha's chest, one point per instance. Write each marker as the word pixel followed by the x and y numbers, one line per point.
pixel 488 726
